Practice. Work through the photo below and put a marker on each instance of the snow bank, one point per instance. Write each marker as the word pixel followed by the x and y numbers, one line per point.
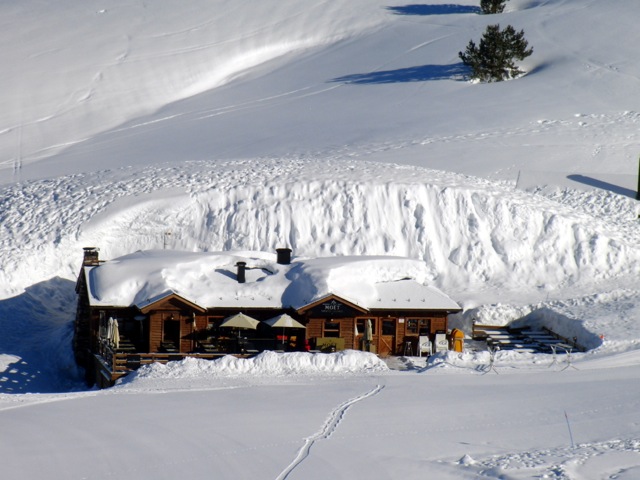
pixel 471 233
pixel 265 364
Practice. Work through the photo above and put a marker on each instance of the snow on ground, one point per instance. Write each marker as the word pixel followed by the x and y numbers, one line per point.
pixel 278 416
pixel 335 127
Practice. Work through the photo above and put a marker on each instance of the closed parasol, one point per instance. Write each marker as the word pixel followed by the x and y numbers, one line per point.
pixel 368 335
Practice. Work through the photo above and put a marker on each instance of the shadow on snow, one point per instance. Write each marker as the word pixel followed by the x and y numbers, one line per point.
pixel 442 9
pixel 420 73
pixel 35 345
pixel 594 182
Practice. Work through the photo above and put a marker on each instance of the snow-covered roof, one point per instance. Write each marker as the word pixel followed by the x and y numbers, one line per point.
pixel 208 280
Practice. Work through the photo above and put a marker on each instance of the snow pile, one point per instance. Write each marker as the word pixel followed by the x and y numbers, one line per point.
pixel 471 233
pixel 265 364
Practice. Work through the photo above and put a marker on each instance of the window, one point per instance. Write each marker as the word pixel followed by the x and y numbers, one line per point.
pixel 425 326
pixel 417 326
pixel 412 325
pixel 389 327
pixel 362 324
pixel 331 328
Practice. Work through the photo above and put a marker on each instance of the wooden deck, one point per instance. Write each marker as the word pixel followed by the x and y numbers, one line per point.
pixel 111 365
pixel 522 339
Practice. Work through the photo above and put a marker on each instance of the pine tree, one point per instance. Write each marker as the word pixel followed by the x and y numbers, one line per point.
pixel 492 6
pixel 494 59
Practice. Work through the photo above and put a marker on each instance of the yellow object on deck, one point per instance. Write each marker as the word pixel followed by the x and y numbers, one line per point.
pixel 457 340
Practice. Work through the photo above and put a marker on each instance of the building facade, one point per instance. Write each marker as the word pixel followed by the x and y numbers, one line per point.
pixel 159 306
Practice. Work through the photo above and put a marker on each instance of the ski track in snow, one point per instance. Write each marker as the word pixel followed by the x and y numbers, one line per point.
pixel 326 431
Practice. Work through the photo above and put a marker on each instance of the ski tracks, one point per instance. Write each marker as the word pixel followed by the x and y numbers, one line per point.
pixel 329 427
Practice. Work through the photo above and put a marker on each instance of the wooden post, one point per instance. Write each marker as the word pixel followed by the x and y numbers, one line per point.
pixel 638 192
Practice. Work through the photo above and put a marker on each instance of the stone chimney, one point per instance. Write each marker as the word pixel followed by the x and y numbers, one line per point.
pixel 91 256
pixel 284 256
pixel 240 275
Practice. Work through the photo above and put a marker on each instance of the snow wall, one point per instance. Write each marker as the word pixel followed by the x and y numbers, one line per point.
pixel 470 232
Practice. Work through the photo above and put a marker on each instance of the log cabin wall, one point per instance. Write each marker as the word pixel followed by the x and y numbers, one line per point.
pixel 315 328
pixel 155 331
pixel 171 321
pixel 347 331
pixel 391 330
pixel 82 325
pixel 187 332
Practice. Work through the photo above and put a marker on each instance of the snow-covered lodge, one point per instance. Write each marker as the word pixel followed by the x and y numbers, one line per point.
pixel 164 305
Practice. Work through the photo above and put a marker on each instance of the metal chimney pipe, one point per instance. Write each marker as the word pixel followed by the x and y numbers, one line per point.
pixel 284 256
pixel 240 275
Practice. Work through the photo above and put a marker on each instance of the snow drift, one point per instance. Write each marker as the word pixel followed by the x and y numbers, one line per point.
pixel 263 365
pixel 468 231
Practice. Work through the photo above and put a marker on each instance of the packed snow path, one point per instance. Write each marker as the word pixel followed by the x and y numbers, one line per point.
pixel 327 430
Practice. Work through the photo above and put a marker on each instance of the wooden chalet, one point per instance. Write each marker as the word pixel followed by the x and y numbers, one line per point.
pixel 159 306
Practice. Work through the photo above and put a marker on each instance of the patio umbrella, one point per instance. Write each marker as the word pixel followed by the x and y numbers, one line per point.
pixel 114 333
pixel 109 329
pixel 284 321
pixel 240 320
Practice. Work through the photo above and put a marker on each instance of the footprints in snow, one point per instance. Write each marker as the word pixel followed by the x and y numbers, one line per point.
pixel 330 426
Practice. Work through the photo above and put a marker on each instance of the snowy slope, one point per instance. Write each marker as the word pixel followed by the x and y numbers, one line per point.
pixel 163 81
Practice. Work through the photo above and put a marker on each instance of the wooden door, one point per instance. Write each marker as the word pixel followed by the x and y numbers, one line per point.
pixel 387 339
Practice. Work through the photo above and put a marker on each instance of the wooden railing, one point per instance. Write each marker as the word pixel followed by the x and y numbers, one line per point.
pixel 128 362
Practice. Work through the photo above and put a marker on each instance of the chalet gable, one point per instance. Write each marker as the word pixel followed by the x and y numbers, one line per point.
pixel 168 300
pixel 331 305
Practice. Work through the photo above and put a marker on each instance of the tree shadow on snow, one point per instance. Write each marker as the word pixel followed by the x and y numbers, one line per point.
pixel 594 182
pixel 443 9
pixel 420 73
pixel 35 345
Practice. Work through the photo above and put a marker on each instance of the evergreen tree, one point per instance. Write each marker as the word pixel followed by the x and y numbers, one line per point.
pixel 492 6
pixel 494 59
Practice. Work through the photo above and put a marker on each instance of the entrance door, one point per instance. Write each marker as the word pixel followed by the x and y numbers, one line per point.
pixel 386 345
pixel 171 335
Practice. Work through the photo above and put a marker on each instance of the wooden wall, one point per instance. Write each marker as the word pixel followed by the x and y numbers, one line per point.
pixel 383 344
